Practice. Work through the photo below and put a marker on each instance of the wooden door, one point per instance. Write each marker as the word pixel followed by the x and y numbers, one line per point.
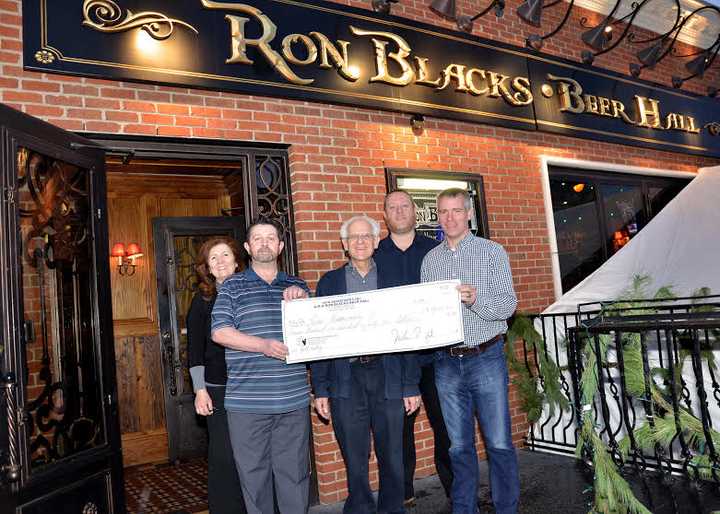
pixel 60 444
pixel 177 241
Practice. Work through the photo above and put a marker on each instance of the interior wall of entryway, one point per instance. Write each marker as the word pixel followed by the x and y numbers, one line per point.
pixel 134 199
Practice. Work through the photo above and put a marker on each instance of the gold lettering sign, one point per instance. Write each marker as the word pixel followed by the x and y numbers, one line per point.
pixel 395 64
pixel 393 58
pixel 647 110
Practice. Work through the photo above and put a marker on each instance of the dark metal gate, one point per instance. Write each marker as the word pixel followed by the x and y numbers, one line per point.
pixel 60 442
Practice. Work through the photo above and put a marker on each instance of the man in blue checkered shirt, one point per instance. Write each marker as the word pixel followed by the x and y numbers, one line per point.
pixel 472 378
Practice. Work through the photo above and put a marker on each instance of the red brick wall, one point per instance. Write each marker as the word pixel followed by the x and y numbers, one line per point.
pixel 338 155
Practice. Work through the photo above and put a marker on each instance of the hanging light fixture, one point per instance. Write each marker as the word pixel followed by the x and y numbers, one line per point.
pixel 602 38
pixel 665 43
pixel 699 64
pixel 598 37
pixel 444 8
pixel 650 55
pixel 531 11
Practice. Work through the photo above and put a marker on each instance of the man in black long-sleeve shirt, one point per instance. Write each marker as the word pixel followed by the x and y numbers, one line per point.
pixel 398 258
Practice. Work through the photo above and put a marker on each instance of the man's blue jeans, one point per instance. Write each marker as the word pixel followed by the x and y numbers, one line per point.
pixel 472 385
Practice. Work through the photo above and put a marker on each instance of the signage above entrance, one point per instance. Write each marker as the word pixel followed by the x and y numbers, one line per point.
pixel 318 51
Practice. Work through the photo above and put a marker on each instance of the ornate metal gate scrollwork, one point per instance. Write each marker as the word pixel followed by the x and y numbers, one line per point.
pixel 57 269
pixel 273 199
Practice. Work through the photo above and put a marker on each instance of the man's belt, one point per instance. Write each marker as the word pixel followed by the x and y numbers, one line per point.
pixel 364 359
pixel 468 351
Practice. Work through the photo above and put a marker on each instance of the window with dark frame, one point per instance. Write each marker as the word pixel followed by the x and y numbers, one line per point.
pixel 596 213
pixel 424 186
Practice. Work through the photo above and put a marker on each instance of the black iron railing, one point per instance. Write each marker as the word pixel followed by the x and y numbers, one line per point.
pixel 556 431
pixel 651 383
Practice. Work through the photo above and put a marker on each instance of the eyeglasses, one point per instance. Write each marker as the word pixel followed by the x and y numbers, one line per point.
pixel 354 238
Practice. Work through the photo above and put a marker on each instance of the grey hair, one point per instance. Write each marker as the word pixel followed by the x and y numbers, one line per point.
pixel 362 217
pixel 455 192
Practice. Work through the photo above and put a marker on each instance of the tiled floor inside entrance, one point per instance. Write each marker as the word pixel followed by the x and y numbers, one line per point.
pixel 167 488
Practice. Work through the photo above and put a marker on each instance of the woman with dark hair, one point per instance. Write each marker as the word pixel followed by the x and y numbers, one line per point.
pixel 218 258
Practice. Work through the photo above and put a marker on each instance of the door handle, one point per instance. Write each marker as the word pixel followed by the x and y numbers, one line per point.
pixel 11 469
pixel 169 351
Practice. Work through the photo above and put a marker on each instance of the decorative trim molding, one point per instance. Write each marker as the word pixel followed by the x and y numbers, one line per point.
pixel 106 16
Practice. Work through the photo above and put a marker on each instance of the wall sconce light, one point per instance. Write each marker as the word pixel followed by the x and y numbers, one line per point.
pixel 444 8
pixel 531 12
pixel 126 257
pixel 702 61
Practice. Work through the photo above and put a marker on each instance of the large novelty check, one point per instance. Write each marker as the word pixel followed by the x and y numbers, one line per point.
pixel 396 319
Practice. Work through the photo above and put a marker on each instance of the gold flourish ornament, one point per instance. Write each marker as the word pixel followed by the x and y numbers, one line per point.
pixel 44 56
pixel 713 128
pixel 107 16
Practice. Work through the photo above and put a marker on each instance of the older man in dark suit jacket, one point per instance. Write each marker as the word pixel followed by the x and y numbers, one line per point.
pixel 369 392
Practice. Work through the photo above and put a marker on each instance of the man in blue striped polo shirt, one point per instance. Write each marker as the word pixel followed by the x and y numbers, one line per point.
pixel 267 400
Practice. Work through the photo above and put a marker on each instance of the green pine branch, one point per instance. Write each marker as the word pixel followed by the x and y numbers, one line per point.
pixel 634 370
pixel 533 396
pixel 612 492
